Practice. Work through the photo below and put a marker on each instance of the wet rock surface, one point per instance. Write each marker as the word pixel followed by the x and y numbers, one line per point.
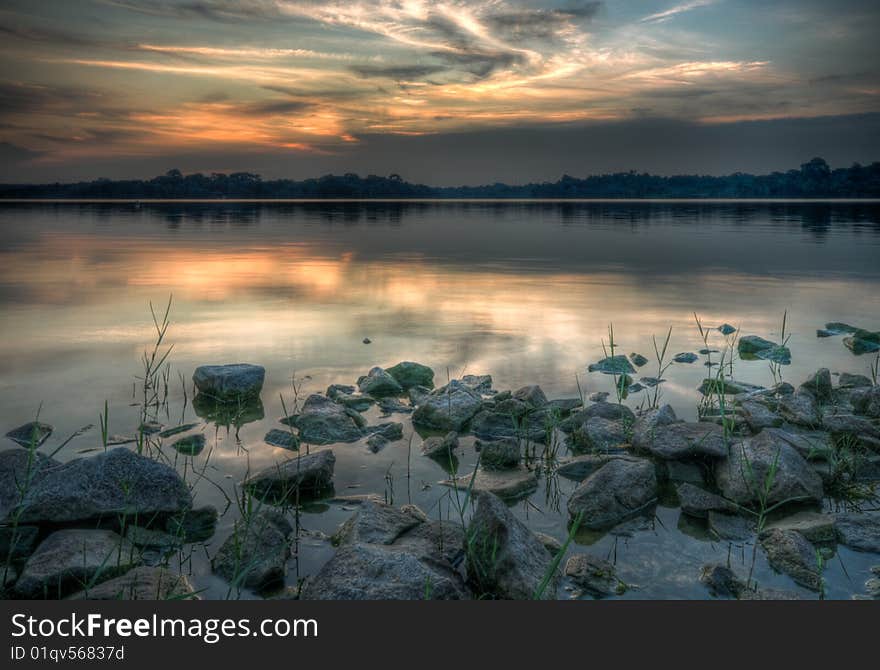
pixel 255 554
pixel 305 475
pixel 617 491
pixel 230 382
pixel 143 583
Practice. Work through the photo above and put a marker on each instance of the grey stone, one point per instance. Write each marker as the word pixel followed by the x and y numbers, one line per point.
pixel 449 408
pixel 281 438
pixel 752 344
pixel 711 387
pixel 638 360
pixel 143 583
pixel 490 425
pixel 255 554
pixel 307 475
pixel 619 490
pixel 859 531
pixel 112 483
pixel 379 383
pixel 440 447
pixel 479 383
pixel 191 445
pixel 601 435
pixel 505 559
pixel 604 410
pixel 499 454
pixel 377 442
pixel 594 575
pixel 686 440
pixel 230 382
pixel 510 484
pixel 565 405
pixel 194 525
pixel 17 542
pixel 686 357
pixel 790 552
pixel 409 374
pixel 853 381
pixel 359 403
pixel 721 581
pixel 391 431
pixel 649 422
pixel 800 409
pixel 616 365
pixel 699 502
pixel 70 559
pixel 814 526
pixel 758 416
pixel 581 467
pixel 868 402
pixel 531 395
pixel 819 384
pixel 34 433
pixel 323 421
pixel 726 329
pixel 377 523
pixel 683 471
pixel 730 527
pixel 794 479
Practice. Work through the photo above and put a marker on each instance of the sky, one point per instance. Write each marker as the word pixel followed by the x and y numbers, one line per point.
pixel 439 91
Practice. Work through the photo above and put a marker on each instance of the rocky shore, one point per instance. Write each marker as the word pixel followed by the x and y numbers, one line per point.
pixel 788 470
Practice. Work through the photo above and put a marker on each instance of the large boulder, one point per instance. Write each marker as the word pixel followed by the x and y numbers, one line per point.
pixel 649 422
pixel 113 483
pixel 619 490
pixel 448 408
pixel 531 395
pixel 800 409
pixel 379 383
pixel 143 583
pixel 758 416
pixel 601 435
pixel 500 454
pixel 489 425
pixel 73 559
pixel 677 441
pixel 505 559
pixel 323 421
pixel 378 523
pixel 304 476
pixel 741 476
pixel 230 382
pixel 255 554
pixel 409 374
pixel 604 410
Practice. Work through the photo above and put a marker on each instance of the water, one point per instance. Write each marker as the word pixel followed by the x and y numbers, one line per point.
pixel 522 291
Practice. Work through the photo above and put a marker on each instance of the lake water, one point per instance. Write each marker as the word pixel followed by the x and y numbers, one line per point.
pixel 524 291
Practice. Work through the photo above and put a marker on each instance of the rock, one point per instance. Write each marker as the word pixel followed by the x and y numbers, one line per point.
pixel 758 416
pixel 418 394
pixel 686 357
pixel 683 471
pixel 509 484
pixel 699 502
pixel 634 388
pixel 839 328
pixel 409 374
pixel 594 575
pixel 499 454
pixel 619 490
pixel 335 390
pixel 638 360
pixel 30 434
pixel 479 383
pixel 741 475
pixel 377 442
pixel 376 572
pixel 176 430
pixel 769 594
pixel 226 413
pixel 440 447
pixel 323 421
pixel 601 435
pixel 848 380
pixel 143 583
pixel 550 543
pixel 359 403
pixel 505 559
pixel 581 467
pixel 686 440
pixel 721 581
pixel 726 329
pixel 449 408
pixel 598 396
pixel 821 332
pixel 790 552
pixel 191 445
pixel 649 422
pixel 282 438
pixel 379 383
pixel 110 484
pixel 730 527
pixel 859 531
pixel 391 431
pixel 814 526
pixel 752 344
pixel 392 405
pixel 147 537
pixel 800 409
pixel 844 425
pixel 377 523
pixel 819 385
pixel 19 470
pixel 255 554
pixel 531 395
pixel 862 341
pixel 17 542
pixel 70 559
pixel 868 402
pixel 194 525
pixel 810 444
pixel 367 340
pixel 230 382
pixel 307 475
pixel 605 410
pixel 712 386
pixel 612 365
pixel 780 354
pixel 150 427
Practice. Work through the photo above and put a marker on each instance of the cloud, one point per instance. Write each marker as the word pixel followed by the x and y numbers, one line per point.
pixel 397 72
pixel 676 10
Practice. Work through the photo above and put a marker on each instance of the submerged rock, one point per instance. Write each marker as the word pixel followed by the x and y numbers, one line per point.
pixel 176 430
pixel 859 531
pixel 730 527
pixel 379 383
pixel 619 490
pixel 752 344
pixel 143 583
pixel 323 421
pixel 230 382
pixel 510 484
pixel 34 433
pixel 191 445
pixel 686 357
pixel 449 408
pixel 440 447
pixel 70 559
pixel 638 360
pixel 391 431
pixel 112 483
pixel 814 526
pixel 721 581
pixel 594 575
pixel 499 454
pixel 726 329
pixel 863 342
pixel 712 386
pixel 742 475
pixel 698 502
pixel 409 374
pixel 790 552
pixel 505 559
pixel 612 365
pixel 306 475
pixel 255 554
pixel 194 525
pixel 281 438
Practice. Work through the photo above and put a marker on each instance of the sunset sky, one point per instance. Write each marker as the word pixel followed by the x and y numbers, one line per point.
pixel 442 92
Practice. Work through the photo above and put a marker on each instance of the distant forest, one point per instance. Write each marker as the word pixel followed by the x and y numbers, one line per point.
pixel 814 179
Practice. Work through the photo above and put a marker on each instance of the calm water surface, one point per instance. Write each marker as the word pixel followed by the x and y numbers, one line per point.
pixel 522 291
